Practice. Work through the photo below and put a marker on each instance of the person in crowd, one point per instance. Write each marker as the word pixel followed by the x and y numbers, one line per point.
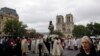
pixel 4 45
pixel 57 47
pixel 10 46
pixel 40 46
pixel 78 43
pixel 1 46
pixel 36 45
pixel 33 45
pixel 87 47
pixel 98 46
pixel 70 44
pixel 44 48
pixel 75 44
pixel 48 42
pixel 29 43
pixel 63 42
pixel 66 43
pixel 24 46
pixel 18 47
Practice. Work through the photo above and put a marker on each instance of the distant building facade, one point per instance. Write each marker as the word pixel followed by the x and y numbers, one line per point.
pixel 65 26
pixel 6 14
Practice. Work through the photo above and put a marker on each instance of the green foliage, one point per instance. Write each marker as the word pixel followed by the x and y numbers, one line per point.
pixel 14 28
pixel 79 30
pixel 32 34
pixel 60 34
pixel 90 30
pixel 96 29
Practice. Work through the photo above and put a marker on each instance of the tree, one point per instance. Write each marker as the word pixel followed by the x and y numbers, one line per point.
pixel 60 34
pixel 96 29
pixel 79 30
pixel 31 33
pixel 90 29
pixel 37 35
pixel 14 28
pixel 93 29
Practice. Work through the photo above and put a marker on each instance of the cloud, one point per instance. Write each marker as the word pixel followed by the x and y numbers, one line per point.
pixel 40 26
pixel 37 13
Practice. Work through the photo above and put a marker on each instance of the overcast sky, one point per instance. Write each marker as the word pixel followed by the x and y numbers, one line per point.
pixel 37 13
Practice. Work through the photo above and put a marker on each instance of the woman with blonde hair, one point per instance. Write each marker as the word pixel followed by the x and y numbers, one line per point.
pixel 87 47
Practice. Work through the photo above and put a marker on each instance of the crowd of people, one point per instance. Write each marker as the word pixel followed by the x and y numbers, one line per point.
pixel 10 46
pixel 21 46
pixel 72 43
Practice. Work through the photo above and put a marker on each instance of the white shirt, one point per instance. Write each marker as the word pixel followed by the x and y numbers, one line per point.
pixel 1 41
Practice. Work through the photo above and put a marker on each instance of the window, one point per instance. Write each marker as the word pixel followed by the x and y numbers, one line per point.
pixel 58 20
pixel 68 30
pixel 68 19
pixel 64 29
pixel 1 17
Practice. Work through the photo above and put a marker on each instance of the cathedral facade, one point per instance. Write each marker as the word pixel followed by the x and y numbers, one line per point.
pixel 66 25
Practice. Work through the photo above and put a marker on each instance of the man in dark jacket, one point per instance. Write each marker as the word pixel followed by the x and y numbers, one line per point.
pixel 1 47
pixel 18 47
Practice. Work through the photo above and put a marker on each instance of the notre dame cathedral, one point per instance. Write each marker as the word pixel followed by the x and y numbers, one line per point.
pixel 65 26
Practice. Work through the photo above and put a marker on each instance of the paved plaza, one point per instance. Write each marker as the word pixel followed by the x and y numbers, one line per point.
pixel 66 53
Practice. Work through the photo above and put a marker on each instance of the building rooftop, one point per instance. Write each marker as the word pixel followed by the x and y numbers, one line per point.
pixel 59 16
pixel 8 11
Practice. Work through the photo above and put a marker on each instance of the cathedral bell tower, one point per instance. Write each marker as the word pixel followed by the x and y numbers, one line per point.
pixel 59 23
pixel 69 24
